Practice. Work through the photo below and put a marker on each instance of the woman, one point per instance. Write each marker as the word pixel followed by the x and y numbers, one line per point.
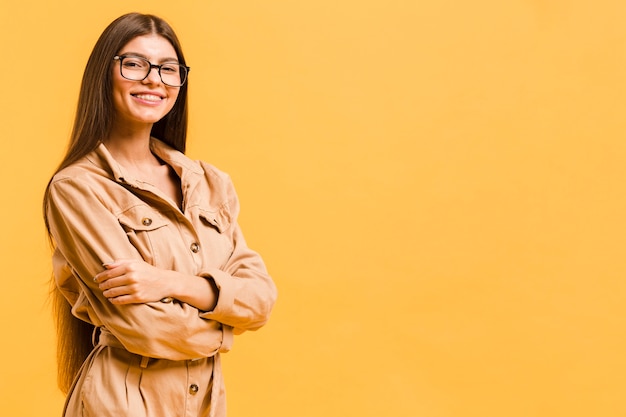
pixel 153 276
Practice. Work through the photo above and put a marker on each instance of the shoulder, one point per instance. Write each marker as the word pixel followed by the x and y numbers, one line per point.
pixel 84 183
pixel 215 192
pixel 86 169
pixel 214 174
pixel 218 185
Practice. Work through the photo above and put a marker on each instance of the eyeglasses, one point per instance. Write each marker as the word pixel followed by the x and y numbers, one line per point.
pixel 136 68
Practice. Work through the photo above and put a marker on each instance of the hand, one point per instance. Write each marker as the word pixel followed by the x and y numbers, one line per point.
pixel 130 281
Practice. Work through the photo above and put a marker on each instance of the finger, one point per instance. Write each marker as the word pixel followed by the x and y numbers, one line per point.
pixel 113 269
pixel 106 275
pixel 101 277
pixel 120 291
pixel 130 298
pixel 114 292
pixel 122 299
pixel 107 284
pixel 118 262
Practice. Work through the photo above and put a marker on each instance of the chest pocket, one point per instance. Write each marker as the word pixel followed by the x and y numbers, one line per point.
pixel 215 232
pixel 147 231
pixel 218 219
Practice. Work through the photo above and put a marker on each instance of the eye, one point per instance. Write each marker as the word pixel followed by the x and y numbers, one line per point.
pixel 134 63
pixel 170 68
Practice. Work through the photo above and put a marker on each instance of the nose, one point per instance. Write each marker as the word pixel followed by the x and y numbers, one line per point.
pixel 153 76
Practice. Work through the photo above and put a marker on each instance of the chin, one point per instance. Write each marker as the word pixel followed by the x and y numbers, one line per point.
pixel 151 119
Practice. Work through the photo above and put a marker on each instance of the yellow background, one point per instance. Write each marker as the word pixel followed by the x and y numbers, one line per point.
pixel 436 186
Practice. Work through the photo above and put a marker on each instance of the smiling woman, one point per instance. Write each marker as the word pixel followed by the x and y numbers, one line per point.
pixel 140 96
pixel 149 294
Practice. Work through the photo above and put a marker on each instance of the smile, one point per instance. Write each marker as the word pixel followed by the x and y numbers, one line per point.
pixel 148 97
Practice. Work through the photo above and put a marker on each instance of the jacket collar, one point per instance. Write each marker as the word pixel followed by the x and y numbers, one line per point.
pixel 184 166
pixel 177 160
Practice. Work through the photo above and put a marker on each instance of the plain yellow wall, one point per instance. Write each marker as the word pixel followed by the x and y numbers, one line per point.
pixel 436 186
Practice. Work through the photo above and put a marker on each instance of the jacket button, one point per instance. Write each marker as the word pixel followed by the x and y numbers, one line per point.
pixel 195 248
pixel 146 221
pixel 193 389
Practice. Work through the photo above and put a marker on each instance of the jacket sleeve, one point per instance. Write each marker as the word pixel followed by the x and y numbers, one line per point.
pixel 87 234
pixel 246 291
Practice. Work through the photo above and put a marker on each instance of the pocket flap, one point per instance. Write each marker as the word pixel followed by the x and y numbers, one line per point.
pixel 219 219
pixel 141 218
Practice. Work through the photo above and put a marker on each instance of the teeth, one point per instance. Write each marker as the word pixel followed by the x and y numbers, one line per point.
pixel 148 97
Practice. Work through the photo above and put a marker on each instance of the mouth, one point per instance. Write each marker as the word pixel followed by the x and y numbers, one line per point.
pixel 148 97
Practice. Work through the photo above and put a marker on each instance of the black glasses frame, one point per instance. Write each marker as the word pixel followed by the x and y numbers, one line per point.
pixel 121 58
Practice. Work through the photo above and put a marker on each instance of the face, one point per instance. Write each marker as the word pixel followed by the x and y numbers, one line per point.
pixel 142 103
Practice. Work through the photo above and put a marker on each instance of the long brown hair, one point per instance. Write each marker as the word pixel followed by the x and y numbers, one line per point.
pixel 92 124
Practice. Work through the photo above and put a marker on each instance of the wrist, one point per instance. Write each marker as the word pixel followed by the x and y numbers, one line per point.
pixel 171 286
pixel 199 292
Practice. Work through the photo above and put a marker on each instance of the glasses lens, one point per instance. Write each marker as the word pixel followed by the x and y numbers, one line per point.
pixel 173 74
pixel 135 68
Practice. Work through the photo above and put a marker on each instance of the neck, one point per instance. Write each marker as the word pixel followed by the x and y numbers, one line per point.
pixel 130 146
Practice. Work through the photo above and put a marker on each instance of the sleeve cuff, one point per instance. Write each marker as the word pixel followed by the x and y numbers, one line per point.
pixel 225 295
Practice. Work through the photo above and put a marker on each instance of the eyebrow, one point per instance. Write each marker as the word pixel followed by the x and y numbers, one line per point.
pixel 137 54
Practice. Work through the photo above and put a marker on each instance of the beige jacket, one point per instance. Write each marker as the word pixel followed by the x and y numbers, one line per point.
pixel 157 359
